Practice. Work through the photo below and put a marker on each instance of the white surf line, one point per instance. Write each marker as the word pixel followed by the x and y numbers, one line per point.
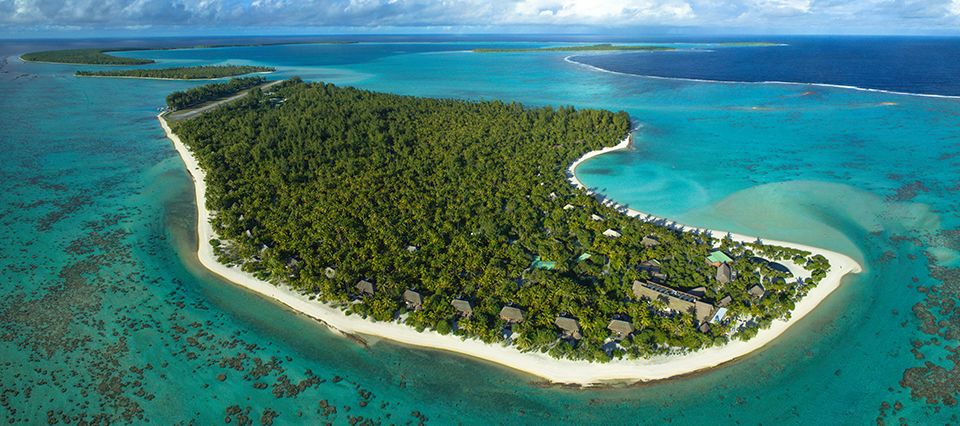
pixel 570 59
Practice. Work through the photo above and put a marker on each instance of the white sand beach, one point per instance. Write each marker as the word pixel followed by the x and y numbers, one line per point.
pixel 542 365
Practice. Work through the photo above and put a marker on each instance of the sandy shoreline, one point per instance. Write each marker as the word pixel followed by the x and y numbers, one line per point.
pixel 542 365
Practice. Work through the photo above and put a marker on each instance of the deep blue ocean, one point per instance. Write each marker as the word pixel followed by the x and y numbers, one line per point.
pixel 105 314
pixel 900 64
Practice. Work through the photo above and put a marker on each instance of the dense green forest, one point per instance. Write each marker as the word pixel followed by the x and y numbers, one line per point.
pixel 181 73
pixel 208 92
pixel 83 56
pixel 590 48
pixel 321 187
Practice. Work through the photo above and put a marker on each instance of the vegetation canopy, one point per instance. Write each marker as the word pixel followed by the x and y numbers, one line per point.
pixel 83 56
pixel 209 92
pixel 180 73
pixel 357 197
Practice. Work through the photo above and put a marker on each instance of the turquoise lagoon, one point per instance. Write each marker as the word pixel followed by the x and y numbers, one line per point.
pixel 105 311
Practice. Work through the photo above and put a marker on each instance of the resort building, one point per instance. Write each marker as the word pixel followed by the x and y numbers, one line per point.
pixel 620 328
pixel 569 207
pixel 596 217
pixel 611 233
pixel 699 291
pixel 330 272
pixel 365 287
pixel 649 241
pixel 724 274
pixel 413 300
pixel 463 307
pixel 717 257
pixel 511 314
pixel 653 268
pixel 757 291
pixel 569 326
pixel 725 301
pixel 676 301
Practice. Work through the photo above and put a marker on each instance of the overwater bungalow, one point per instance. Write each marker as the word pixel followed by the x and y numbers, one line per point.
pixel 413 299
pixel 612 233
pixel 463 307
pixel 511 314
pixel 365 287
pixel 620 328
pixel 569 326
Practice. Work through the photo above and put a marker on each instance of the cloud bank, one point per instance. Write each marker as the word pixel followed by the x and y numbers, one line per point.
pixel 890 16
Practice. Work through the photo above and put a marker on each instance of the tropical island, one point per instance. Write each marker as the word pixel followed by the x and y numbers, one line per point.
pixel 100 57
pixel 181 73
pixel 83 56
pixel 606 47
pixel 452 224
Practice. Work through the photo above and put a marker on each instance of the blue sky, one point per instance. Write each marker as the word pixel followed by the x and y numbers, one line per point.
pixel 39 18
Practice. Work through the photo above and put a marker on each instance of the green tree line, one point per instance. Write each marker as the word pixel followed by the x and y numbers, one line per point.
pixel 208 92
pixel 181 73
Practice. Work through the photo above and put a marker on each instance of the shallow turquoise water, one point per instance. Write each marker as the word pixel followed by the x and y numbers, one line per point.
pixel 97 236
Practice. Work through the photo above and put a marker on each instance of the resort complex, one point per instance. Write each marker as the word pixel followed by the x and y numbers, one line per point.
pixel 517 255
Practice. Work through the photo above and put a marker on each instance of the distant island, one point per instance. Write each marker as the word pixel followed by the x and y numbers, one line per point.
pixel 181 73
pixel 590 48
pixel 83 56
pixel 100 57
pixel 458 217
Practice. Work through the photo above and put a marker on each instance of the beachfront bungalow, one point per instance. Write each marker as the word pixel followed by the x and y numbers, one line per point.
pixel 611 233
pixel 620 328
pixel 724 274
pixel 569 326
pixel 330 272
pixel 511 314
pixel 365 287
pixel 649 241
pixel 675 300
pixel 718 257
pixel 725 301
pixel 704 327
pixel 463 307
pixel 757 291
pixel 596 217
pixel 413 300
pixel 653 268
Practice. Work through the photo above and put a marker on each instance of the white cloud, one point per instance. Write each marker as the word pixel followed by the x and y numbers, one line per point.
pixel 614 12
pixel 777 15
